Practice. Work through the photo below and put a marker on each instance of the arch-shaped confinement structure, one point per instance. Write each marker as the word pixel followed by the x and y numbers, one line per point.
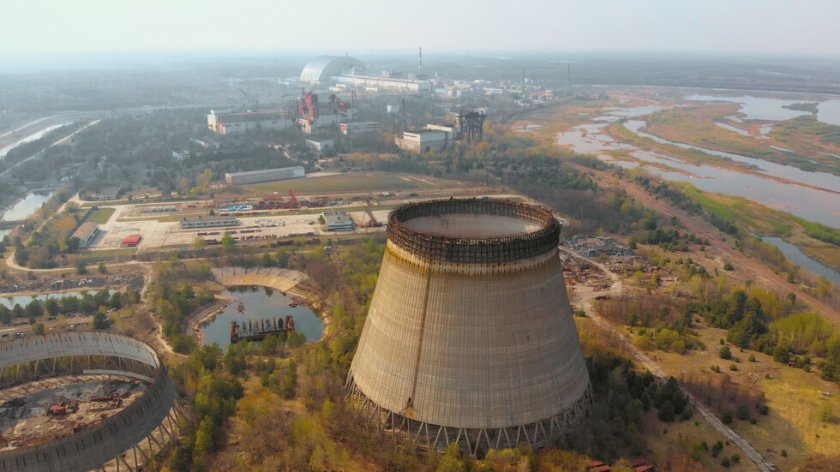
pixel 320 69
pixel 470 337
pixel 116 440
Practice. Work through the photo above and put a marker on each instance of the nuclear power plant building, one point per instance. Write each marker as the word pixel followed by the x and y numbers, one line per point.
pixel 470 337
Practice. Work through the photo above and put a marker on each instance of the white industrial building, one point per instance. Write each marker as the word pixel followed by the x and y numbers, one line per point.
pixel 86 233
pixel 337 221
pixel 265 175
pixel 320 145
pixel 239 122
pixel 422 141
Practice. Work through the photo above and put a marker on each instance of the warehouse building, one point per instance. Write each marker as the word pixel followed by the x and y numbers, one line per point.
pixel 239 122
pixel 338 221
pixel 209 222
pixel 359 127
pixel 265 175
pixel 422 141
pixel 86 233
pixel 320 145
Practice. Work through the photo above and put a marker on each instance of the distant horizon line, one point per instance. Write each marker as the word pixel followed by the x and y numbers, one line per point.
pixel 429 52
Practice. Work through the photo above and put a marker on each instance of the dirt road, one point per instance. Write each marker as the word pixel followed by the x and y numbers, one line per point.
pixel 585 298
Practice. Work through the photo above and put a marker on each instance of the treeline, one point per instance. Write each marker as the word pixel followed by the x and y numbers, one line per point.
pixel 681 200
pixel 172 296
pixel 26 150
pixel 43 246
pixel 615 425
pixel 667 239
pixel 86 304
pixel 213 393
pixel 661 324
pixel 531 169
pixel 794 339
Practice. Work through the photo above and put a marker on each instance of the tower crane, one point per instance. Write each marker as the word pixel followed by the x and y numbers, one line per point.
pixel 256 99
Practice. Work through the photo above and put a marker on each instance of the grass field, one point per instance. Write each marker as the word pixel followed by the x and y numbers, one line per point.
pixel 356 182
pixel 793 395
pixel 108 255
pixel 101 215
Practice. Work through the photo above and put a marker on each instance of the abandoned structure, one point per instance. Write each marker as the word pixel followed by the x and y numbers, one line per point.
pixel 470 337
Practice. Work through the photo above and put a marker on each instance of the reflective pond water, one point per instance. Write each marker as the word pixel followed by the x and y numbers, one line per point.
pixel 757 108
pixel 809 203
pixel 26 206
pixel 260 303
pixel 829 112
pixel 24 300
pixel 795 255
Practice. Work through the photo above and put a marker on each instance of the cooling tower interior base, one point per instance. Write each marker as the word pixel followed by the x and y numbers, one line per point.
pixel 470 337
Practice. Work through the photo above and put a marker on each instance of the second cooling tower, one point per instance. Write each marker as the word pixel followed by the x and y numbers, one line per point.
pixel 470 337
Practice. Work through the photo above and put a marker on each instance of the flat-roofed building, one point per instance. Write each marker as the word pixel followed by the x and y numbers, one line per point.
pixel 422 140
pixel 265 175
pixel 209 222
pixel 452 131
pixel 338 221
pixel 320 145
pixel 86 233
pixel 239 122
pixel 359 127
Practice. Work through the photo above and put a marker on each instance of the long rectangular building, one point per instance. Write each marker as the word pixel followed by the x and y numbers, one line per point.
pixel 265 175
pixel 385 83
pixel 209 222
pixel 86 233
pixel 239 122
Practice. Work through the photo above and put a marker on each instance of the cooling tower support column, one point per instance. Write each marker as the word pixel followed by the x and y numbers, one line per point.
pixel 470 338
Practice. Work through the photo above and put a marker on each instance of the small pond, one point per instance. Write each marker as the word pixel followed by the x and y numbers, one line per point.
pixel 25 207
pixel 24 300
pixel 260 303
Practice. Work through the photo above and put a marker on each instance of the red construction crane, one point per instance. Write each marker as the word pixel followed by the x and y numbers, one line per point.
pixel 293 201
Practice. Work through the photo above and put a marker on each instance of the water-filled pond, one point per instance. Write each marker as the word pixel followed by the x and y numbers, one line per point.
pixel 24 300
pixel 260 303
pixel 26 206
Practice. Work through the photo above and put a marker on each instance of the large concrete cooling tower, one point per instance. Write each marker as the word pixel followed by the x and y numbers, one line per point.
pixel 470 336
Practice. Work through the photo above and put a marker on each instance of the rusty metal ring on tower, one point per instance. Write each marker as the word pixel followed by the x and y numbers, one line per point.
pixel 442 248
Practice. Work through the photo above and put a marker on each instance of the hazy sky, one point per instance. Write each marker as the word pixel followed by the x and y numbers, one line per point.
pixel 762 26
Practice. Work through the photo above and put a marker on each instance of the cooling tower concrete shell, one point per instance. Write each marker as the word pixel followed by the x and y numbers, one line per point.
pixel 470 337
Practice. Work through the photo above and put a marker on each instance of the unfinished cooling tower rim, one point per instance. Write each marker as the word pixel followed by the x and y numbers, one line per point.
pixel 472 268
pixel 110 439
pixel 441 247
